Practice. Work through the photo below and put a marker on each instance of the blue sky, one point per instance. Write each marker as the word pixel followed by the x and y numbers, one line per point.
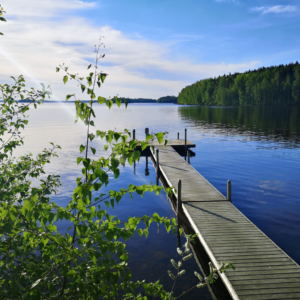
pixel 153 48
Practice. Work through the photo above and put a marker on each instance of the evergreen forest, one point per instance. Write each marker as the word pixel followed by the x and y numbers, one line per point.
pixel 167 99
pixel 264 86
pixel 138 100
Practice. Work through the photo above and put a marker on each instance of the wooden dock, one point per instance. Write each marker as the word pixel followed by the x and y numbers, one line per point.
pixel 263 270
pixel 177 145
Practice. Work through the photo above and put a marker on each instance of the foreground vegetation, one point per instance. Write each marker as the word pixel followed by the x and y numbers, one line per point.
pixel 264 86
pixel 89 261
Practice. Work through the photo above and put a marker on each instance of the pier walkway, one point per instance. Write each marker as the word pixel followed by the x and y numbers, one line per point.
pixel 263 270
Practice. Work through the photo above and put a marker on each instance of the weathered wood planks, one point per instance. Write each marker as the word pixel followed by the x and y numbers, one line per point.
pixel 263 270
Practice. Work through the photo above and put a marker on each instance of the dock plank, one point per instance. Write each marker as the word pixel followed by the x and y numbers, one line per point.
pixel 263 270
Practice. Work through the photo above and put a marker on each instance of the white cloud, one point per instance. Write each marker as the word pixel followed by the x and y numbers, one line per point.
pixel 38 8
pixel 277 9
pixel 35 45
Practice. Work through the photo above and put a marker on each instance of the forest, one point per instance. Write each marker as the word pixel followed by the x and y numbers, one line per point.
pixel 167 99
pixel 138 100
pixel 276 85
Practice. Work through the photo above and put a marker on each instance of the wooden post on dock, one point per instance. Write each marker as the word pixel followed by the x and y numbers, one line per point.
pixel 179 203
pixel 185 146
pixel 146 131
pixel 133 134
pixel 177 135
pixel 188 156
pixel 179 210
pixel 157 162
pixel 229 190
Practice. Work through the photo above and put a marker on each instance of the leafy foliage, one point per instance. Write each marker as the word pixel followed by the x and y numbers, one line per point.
pixel 2 18
pixel 211 278
pixel 90 262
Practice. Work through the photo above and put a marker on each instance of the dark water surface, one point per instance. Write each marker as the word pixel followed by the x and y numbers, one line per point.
pixel 257 148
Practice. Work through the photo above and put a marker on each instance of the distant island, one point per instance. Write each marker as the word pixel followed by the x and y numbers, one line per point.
pixel 278 85
pixel 166 99
pixel 138 100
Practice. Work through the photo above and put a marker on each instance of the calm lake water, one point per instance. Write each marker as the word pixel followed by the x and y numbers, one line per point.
pixel 257 148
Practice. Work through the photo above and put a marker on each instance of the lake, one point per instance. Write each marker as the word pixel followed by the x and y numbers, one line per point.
pixel 257 148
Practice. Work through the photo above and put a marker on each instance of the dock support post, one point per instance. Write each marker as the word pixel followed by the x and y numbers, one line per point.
pixel 179 203
pixel 229 190
pixel 133 134
pixel 177 135
pixel 157 167
pixel 157 162
pixel 188 156
pixel 185 146
pixel 146 132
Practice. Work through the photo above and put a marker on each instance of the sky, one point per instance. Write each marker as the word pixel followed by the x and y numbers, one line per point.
pixel 153 48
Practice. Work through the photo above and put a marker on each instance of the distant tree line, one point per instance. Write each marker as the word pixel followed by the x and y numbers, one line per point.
pixel 167 99
pixel 264 86
pixel 138 100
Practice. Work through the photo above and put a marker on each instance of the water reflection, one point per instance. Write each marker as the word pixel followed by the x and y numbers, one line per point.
pixel 276 124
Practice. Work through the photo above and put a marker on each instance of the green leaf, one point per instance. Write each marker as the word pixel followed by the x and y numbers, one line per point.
pixel 109 103
pixel 65 79
pixel 114 163
pixel 101 100
pixel 109 138
pixel 149 137
pixel 116 136
pixel 2 19
pixel 57 69
pixel 79 159
pixel 91 136
pixel 71 272
pixel 81 148
pixel 160 137
pixel 105 147
pixel 165 143
pixel 103 76
pixel 28 205
pixel 101 133
pixel 144 146
pixel 1 33
pixel 86 162
pixel 82 88
pixel 68 97
pixel 93 150
pixel 118 101
pixel 136 155
pixel 89 66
